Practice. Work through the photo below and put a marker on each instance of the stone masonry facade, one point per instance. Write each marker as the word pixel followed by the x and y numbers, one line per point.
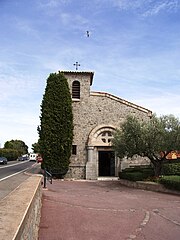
pixel 95 116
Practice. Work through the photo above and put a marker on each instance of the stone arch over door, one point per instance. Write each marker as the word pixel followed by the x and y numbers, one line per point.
pixel 99 141
pixel 101 135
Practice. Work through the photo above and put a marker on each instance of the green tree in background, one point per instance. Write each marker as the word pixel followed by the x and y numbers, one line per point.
pixel 18 145
pixel 154 139
pixel 56 124
pixel 13 149
pixel 10 154
pixel 36 147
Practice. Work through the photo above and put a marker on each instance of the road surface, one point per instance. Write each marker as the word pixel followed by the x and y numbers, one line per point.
pixel 100 210
pixel 14 173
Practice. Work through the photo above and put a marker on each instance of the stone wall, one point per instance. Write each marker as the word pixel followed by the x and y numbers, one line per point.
pixel 150 186
pixel 97 111
pixel 76 171
pixel 21 210
pixel 134 161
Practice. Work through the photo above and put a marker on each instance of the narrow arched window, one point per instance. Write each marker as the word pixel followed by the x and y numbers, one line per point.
pixel 76 89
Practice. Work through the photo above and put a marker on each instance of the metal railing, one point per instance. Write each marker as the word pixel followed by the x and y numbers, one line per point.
pixel 47 176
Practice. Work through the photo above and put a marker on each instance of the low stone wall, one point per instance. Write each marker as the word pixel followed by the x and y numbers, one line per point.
pixel 151 186
pixel 20 211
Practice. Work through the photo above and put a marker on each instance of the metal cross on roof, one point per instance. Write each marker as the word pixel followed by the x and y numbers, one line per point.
pixel 77 65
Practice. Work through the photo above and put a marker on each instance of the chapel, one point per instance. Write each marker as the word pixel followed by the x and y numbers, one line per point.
pixel 96 115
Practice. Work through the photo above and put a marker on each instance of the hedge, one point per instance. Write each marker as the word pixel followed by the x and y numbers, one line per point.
pixel 171 182
pixel 171 169
pixel 136 174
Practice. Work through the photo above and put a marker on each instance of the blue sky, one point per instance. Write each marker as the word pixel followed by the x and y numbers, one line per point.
pixel 133 48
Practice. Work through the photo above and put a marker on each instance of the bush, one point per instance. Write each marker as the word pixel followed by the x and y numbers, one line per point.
pixel 132 176
pixel 171 169
pixel 136 174
pixel 10 154
pixel 171 182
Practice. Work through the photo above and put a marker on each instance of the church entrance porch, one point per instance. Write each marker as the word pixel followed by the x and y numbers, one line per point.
pixel 106 163
pixel 101 159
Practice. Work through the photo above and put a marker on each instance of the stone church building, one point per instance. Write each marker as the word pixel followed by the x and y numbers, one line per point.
pixel 95 117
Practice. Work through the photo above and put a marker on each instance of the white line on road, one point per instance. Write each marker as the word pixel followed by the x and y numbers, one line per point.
pixel 13 164
pixel 14 174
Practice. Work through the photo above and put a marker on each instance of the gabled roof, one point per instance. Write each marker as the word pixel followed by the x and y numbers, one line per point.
pixel 79 73
pixel 127 103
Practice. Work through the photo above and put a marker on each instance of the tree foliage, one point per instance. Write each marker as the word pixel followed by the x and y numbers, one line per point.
pixel 56 124
pixel 10 154
pixel 36 147
pixel 154 139
pixel 17 145
pixel 13 149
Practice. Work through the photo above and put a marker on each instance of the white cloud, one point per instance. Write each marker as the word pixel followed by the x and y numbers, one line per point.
pixel 75 21
pixel 25 27
pixel 16 83
pixel 163 104
pixel 147 7
pixel 129 4
pixel 51 3
pixel 162 6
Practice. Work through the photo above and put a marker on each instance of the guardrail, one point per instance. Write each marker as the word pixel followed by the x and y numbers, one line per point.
pixel 53 173
pixel 47 176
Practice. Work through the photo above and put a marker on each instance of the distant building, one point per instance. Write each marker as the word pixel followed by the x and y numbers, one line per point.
pixel 95 116
pixel 173 155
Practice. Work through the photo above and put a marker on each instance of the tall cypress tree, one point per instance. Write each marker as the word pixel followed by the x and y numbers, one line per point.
pixel 56 124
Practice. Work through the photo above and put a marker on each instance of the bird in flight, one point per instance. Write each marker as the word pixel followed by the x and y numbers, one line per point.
pixel 87 33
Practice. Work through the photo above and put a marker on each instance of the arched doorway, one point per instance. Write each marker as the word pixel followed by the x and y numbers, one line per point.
pixel 101 160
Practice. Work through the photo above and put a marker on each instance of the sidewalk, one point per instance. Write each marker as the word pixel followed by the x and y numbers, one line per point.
pixel 98 210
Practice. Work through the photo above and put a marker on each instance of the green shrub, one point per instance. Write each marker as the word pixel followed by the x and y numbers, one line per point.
pixel 171 169
pixel 171 182
pixel 10 154
pixel 136 174
pixel 132 176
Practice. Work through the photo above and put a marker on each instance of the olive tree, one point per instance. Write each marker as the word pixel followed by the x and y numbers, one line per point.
pixel 154 138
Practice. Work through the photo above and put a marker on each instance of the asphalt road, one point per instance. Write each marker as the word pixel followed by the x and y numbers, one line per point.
pixel 14 167
pixel 14 173
pixel 100 210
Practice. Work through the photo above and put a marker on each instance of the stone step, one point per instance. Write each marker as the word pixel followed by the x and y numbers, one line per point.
pixel 108 178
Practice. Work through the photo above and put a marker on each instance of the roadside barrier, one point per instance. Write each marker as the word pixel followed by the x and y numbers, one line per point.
pixel 47 176
pixel 20 211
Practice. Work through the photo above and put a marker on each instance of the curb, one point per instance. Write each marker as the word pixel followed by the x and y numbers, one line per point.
pixel 149 186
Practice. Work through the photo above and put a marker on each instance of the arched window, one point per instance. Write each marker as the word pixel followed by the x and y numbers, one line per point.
pixel 76 89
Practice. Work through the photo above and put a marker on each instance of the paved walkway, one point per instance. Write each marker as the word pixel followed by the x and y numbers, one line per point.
pixel 106 210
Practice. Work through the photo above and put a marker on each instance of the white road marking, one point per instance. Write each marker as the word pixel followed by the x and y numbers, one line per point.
pixel 13 164
pixel 14 174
